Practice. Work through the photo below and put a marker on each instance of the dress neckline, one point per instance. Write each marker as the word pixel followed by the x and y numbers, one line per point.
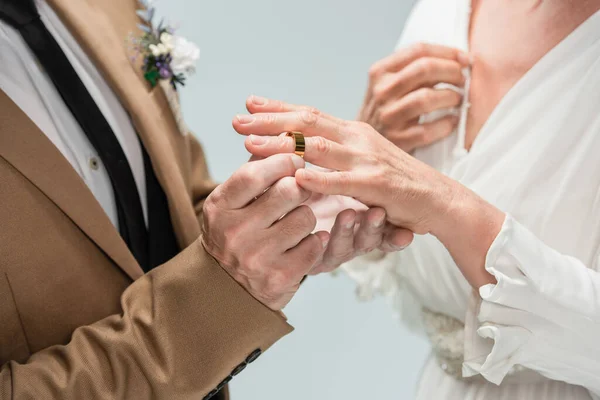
pixel 566 48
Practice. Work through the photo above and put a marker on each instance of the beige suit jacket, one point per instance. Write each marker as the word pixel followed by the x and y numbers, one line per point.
pixel 78 318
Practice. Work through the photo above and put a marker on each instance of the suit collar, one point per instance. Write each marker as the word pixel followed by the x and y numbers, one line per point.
pixel 101 28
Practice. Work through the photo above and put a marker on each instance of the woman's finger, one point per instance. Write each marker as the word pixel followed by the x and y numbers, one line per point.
pixel 257 104
pixel 420 102
pixel 341 243
pixel 329 182
pixel 396 239
pixel 421 135
pixel 318 151
pixel 369 235
pixel 272 124
pixel 400 59
pixel 425 72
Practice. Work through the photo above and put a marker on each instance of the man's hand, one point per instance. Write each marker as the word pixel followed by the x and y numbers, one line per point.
pixel 402 88
pixel 245 232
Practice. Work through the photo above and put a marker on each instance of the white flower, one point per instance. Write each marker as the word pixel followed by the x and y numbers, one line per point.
pixel 185 54
pixel 158 49
pixel 154 49
pixel 167 40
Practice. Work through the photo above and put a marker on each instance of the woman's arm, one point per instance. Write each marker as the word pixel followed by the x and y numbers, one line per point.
pixel 540 308
pixel 542 313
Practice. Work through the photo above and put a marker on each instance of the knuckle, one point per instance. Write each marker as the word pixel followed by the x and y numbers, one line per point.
pixel 380 92
pixel 269 119
pixel 308 118
pixel 314 250
pixel 375 71
pixel 307 218
pixel 277 281
pixel 418 50
pixel 386 115
pixel 322 146
pixel 425 66
pixel 423 98
pixel 287 189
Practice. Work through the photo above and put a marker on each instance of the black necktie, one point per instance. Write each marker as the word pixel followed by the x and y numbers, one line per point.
pixel 149 250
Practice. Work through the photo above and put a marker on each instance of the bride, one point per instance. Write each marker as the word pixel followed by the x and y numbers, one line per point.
pixel 504 194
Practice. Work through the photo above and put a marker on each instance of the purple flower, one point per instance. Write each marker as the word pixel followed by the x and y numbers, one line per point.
pixel 165 73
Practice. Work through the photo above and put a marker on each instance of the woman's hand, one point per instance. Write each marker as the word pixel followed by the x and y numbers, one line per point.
pixel 355 233
pixel 364 165
pixel 401 89
pixel 367 167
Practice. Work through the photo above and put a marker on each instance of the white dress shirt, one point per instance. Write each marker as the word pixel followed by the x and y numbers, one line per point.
pixel 26 83
pixel 537 331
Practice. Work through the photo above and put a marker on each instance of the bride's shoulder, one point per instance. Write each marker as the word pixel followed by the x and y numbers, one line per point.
pixel 436 21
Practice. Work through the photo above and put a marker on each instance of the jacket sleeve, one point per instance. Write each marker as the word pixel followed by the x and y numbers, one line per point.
pixel 201 183
pixel 543 314
pixel 186 329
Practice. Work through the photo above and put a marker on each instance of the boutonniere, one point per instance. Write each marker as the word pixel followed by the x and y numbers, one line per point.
pixel 168 59
pixel 166 56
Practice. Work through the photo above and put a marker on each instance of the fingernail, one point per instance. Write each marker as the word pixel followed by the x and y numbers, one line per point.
pixel 257 140
pixel 325 243
pixel 400 248
pixel 378 223
pixel 349 225
pixel 259 101
pixel 245 119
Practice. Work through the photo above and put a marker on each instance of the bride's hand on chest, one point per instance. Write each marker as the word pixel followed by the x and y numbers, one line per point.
pixel 403 86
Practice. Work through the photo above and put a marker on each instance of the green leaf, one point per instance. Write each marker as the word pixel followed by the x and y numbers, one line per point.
pixel 152 77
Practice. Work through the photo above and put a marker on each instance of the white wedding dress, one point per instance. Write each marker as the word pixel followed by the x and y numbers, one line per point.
pixel 536 333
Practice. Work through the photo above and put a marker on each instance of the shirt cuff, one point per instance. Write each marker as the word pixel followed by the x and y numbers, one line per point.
pixel 532 318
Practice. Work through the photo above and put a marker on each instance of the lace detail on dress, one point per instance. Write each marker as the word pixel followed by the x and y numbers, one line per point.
pixel 446 335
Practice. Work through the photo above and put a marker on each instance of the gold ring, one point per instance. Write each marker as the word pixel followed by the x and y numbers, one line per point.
pixel 299 143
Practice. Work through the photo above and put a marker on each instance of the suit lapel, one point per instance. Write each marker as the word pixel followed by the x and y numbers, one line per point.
pixel 101 28
pixel 27 149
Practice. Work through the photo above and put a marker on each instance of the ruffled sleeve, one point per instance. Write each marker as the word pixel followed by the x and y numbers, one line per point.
pixel 542 314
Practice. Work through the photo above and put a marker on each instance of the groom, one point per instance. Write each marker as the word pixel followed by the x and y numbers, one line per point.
pixel 107 290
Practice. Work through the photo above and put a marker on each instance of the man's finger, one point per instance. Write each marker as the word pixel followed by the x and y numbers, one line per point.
pixel 281 198
pixel 272 124
pixel 290 230
pixel 300 260
pixel 319 151
pixel 253 178
pixel 370 233
pixel 401 58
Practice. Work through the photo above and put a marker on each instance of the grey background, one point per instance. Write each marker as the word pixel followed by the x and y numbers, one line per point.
pixel 314 52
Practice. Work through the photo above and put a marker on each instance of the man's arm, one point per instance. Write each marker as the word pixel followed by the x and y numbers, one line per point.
pixel 186 327
pixel 201 183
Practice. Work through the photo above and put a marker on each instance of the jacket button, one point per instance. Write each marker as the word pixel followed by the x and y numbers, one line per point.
pixel 239 369
pixel 253 356
pixel 225 382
